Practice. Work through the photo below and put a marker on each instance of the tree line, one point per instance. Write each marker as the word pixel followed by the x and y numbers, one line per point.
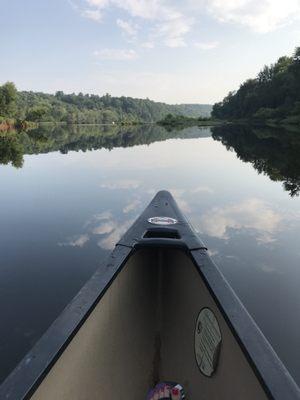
pixel 273 95
pixel 86 108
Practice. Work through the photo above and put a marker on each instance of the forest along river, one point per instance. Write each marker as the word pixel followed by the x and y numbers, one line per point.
pixel 68 194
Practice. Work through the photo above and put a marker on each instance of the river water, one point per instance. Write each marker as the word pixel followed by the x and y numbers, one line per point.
pixel 68 194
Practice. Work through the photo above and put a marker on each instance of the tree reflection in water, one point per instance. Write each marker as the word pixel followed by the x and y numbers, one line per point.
pixel 271 151
pixel 64 138
pixel 11 150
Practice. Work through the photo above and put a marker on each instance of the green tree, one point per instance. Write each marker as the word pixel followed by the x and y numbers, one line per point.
pixel 36 113
pixel 8 97
pixel 273 94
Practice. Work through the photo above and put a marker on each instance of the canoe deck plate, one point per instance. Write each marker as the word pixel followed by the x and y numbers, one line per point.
pixel 162 221
pixel 207 342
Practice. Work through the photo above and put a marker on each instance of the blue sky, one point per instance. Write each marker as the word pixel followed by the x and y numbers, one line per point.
pixel 191 51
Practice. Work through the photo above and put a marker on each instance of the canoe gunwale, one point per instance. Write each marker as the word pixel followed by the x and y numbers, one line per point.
pixel 270 371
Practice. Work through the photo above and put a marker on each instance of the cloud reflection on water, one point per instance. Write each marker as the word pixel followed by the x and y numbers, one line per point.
pixel 132 205
pixel 121 184
pixel 110 241
pixel 106 225
pixel 76 241
pixel 251 214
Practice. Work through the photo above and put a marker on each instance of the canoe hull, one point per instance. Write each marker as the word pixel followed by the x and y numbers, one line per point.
pixel 142 332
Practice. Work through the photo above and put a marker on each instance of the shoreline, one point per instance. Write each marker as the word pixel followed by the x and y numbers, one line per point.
pixel 21 126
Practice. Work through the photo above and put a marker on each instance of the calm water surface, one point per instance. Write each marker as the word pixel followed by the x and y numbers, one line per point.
pixel 67 195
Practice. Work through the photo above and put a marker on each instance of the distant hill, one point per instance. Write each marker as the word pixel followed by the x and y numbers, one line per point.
pixel 85 108
pixel 273 95
pixel 193 110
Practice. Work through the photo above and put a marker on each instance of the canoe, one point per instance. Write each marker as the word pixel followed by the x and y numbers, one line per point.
pixel 160 311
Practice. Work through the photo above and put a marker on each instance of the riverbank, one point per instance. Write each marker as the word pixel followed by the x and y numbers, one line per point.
pixel 20 126
pixel 12 125
pixel 180 121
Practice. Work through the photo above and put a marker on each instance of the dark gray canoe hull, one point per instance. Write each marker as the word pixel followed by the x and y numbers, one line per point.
pixel 134 325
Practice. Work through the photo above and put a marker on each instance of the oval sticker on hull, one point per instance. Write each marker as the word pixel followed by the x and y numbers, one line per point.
pixel 162 220
pixel 207 342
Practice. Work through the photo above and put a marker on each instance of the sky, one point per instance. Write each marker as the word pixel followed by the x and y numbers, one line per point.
pixel 192 51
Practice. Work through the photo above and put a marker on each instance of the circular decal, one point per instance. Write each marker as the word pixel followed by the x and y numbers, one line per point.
pixel 162 220
pixel 207 342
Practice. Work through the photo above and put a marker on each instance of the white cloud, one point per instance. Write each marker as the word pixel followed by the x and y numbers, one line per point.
pixel 148 45
pixel 95 15
pixel 98 217
pixel 102 216
pixel 104 228
pixel 147 9
pixel 128 27
pixel 184 205
pixel 207 45
pixel 116 54
pixel 109 227
pixel 261 16
pixel 181 195
pixel 77 241
pixel 115 235
pixel 269 268
pixel 213 253
pixel 170 25
pixel 121 184
pixel 169 22
pixel 98 3
pixel 202 189
pixel 251 214
pixel 177 192
pixel 132 206
pixel 173 30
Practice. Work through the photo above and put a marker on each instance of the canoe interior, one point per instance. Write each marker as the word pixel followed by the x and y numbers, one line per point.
pixel 141 332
